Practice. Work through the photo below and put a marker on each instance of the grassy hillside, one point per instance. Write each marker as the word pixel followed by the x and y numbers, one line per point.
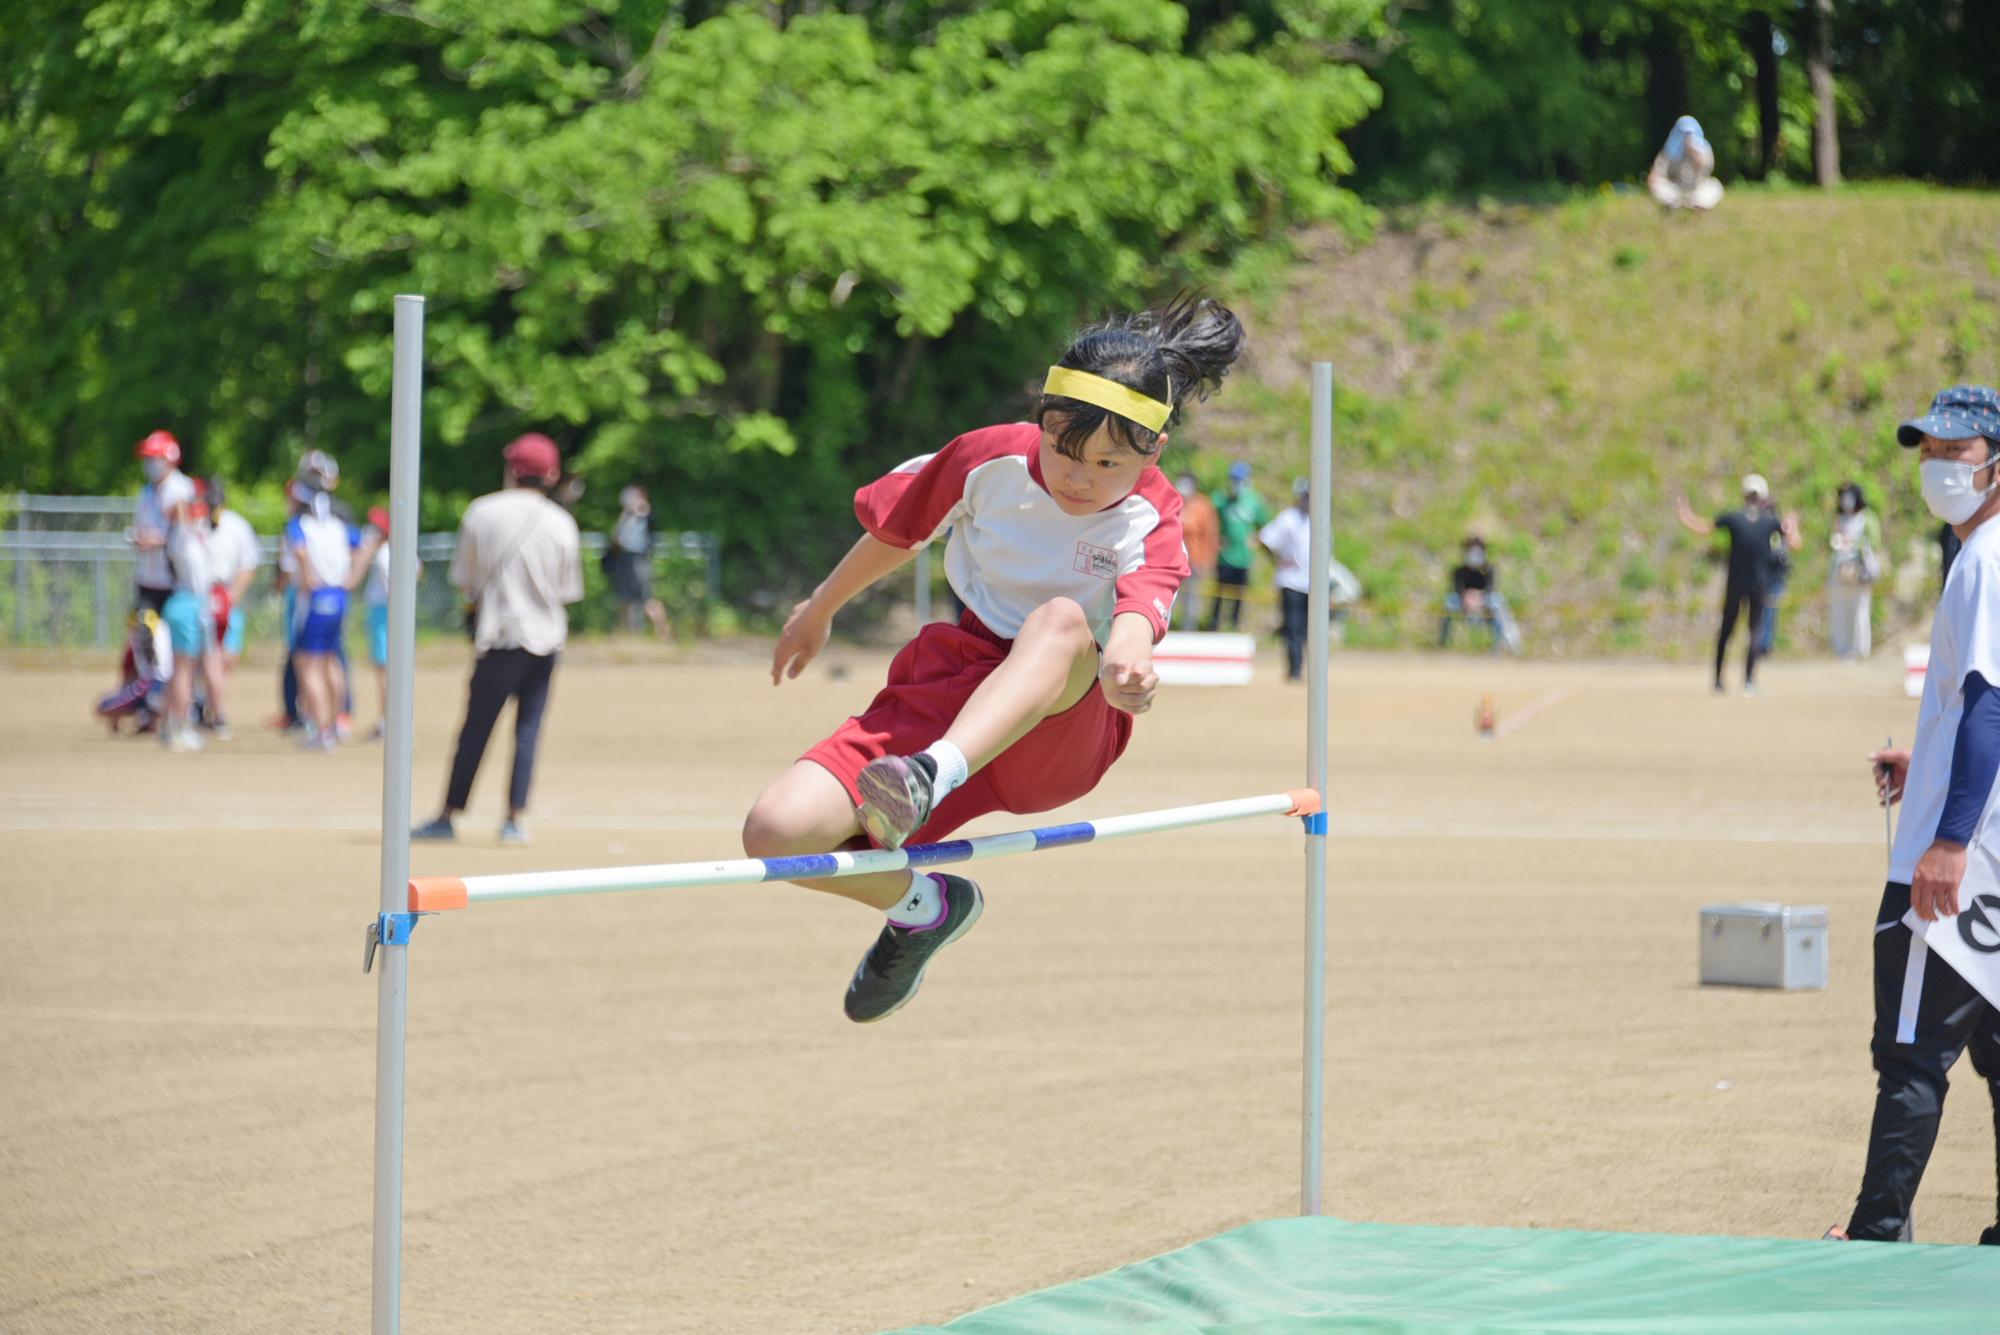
pixel 1553 376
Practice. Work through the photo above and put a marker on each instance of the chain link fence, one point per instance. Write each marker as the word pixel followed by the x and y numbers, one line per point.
pixel 67 563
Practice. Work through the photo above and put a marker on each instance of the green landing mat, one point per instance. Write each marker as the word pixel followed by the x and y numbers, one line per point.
pixel 1293 1276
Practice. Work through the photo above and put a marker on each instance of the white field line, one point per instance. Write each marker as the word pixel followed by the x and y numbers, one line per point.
pixel 1521 717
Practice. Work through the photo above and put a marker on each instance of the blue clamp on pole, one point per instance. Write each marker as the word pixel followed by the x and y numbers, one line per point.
pixel 388 929
pixel 1315 823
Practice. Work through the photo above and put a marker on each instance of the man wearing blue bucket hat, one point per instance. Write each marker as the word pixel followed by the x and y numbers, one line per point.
pixel 1926 1014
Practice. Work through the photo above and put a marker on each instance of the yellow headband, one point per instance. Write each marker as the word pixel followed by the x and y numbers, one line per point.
pixel 1108 395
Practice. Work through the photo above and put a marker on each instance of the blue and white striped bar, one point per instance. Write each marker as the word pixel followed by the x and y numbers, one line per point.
pixel 432 894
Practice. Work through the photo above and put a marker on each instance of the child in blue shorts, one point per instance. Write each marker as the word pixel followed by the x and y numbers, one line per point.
pixel 324 547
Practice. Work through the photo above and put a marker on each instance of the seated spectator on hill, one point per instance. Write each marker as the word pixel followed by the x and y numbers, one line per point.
pixel 1683 173
pixel 1475 598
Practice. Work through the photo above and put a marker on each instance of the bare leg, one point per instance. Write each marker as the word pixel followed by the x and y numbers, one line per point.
pixel 214 670
pixel 807 811
pixel 336 687
pixel 656 612
pixel 1051 667
pixel 312 690
pixel 180 690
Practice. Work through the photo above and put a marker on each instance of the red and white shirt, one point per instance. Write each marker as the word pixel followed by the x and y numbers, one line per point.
pixel 1013 549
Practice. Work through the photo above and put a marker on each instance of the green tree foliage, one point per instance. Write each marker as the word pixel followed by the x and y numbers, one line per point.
pixel 739 252
pixel 1484 93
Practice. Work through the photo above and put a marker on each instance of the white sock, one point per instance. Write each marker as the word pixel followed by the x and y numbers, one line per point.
pixel 922 905
pixel 952 771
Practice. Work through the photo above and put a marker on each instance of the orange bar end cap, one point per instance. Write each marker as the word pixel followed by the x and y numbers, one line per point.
pixel 436 894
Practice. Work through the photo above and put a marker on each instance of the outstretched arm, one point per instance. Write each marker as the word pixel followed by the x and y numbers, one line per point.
pixel 811 621
pixel 1691 521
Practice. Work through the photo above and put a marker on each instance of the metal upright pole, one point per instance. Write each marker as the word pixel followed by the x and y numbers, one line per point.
pixel 21 569
pixel 392 998
pixel 1318 615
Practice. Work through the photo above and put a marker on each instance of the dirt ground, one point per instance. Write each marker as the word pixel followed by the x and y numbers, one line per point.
pixel 646 1113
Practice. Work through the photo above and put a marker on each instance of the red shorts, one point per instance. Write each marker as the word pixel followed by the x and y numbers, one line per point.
pixel 1060 759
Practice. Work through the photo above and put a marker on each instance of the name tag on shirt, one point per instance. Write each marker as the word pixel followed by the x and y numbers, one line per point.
pixel 1101 562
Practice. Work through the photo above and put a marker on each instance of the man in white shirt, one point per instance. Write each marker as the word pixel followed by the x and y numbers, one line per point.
pixel 1925 1013
pixel 1288 539
pixel 520 564
pixel 234 556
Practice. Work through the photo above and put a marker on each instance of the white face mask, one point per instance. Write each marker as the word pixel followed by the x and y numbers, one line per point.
pixel 1948 490
pixel 155 469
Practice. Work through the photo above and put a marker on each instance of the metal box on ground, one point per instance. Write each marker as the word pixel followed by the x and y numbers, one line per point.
pixel 1764 945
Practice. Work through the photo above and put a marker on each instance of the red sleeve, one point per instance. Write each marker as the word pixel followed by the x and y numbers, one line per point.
pixel 1148 586
pixel 907 505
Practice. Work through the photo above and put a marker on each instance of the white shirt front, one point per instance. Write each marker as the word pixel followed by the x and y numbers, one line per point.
pixel 1965 638
pixel 232 547
pixel 188 557
pixel 1289 540
pixel 326 543
pixel 149 515
pixel 377 592
pixel 1012 548
pixel 520 556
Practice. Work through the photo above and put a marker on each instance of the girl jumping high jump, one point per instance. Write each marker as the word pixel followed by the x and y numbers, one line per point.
pixel 1066 551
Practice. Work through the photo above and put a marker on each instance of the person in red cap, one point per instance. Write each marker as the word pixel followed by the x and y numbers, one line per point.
pixel 520 565
pixel 159 455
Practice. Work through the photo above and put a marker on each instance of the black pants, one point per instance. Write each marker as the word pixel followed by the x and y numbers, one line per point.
pixel 499 674
pixel 1940 1015
pixel 1293 603
pixel 1736 599
pixel 1230 582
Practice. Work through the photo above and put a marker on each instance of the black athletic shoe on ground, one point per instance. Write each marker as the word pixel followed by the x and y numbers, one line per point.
pixel 895 964
pixel 895 797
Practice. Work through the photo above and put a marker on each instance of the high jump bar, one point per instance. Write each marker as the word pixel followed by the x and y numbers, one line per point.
pixel 435 894
pixel 404 898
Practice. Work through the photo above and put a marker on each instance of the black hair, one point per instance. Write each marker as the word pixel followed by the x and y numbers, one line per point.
pixel 1175 354
pixel 1860 496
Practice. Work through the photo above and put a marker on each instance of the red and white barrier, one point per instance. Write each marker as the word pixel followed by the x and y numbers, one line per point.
pixel 1205 658
pixel 1916 666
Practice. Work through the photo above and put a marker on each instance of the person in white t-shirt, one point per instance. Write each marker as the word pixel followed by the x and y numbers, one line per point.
pixel 234 556
pixel 520 565
pixel 1288 538
pixel 1926 1014
pixel 324 548
pixel 1066 548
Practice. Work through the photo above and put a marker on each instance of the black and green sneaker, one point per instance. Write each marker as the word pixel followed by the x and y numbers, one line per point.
pixel 894 966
